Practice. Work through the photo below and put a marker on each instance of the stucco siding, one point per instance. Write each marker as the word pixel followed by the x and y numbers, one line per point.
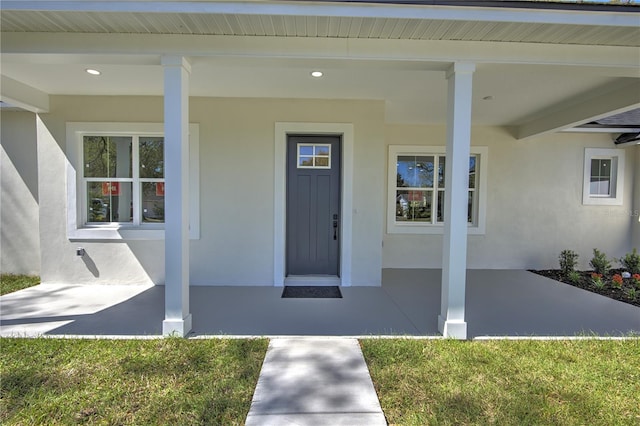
pixel 20 239
pixel 534 203
pixel 636 211
pixel 236 190
pixel 534 194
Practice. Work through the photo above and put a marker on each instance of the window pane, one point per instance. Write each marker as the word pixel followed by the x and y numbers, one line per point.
pixel 106 156
pixel 152 202
pixel 413 206
pixel 322 161
pixel 305 149
pixel 424 172
pixel 152 157
pixel 600 180
pixel 470 212
pixel 109 202
pixel 472 172
pixel 306 161
pixel 322 149
pixel 441 171
pixel 440 217
pixel 405 166
pixel 415 171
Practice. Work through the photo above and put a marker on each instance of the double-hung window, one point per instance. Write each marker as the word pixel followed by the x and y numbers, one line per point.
pixel 603 176
pixel 116 181
pixel 417 189
pixel 123 179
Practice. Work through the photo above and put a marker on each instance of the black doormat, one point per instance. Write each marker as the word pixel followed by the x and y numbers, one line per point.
pixel 312 292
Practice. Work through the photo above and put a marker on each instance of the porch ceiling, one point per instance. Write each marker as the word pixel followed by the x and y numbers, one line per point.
pixel 534 67
pixel 317 26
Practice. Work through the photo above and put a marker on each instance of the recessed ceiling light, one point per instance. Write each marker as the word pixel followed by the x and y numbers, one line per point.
pixel 317 74
pixel 92 71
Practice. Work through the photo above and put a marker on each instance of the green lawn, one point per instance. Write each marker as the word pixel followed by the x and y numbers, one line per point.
pixel 138 382
pixel 447 382
pixel 11 282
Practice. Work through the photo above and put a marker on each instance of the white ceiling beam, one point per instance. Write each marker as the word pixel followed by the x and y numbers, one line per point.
pixel 23 96
pixel 573 16
pixel 445 51
pixel 609 101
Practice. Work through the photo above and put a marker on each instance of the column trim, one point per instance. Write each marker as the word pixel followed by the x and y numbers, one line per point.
pixel 451 321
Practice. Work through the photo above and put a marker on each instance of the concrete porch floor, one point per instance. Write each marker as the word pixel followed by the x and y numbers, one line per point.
pixel 499 303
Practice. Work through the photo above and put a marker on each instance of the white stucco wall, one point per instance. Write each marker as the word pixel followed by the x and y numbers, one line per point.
pixel 534 204
pixel 19 224
pixel 636 211
pixel 236 190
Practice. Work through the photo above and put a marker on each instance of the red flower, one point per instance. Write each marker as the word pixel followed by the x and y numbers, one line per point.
pixel 617 280
pixel 595 275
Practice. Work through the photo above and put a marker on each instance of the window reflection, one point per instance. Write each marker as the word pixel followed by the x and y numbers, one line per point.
pixel 109 202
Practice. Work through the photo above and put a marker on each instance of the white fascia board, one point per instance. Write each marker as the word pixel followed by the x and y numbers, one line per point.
pixel 23 96
pixel 356 10
pixel 615 101
pixel 445 51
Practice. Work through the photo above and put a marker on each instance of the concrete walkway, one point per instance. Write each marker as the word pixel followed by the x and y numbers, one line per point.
pixel 314 381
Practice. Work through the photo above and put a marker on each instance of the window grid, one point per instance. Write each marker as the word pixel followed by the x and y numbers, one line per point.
pixel 417 204
pixel 137 216
pixel 314 156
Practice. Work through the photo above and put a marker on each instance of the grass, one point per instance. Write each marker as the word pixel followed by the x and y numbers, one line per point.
pixel 168 381
pixel 11 282
pixel 447 382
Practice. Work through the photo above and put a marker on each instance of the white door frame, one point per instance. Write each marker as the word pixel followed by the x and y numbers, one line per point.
pixel 282 131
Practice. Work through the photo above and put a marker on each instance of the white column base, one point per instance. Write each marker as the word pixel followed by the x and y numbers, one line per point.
pixel 176 327
pixel 454 329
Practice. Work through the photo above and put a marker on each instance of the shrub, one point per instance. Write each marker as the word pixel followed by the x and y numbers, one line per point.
pixel 574 276
pixel 631 262
pixel 632 293
pixel 568 261
pixel 635 278
pixel 599 262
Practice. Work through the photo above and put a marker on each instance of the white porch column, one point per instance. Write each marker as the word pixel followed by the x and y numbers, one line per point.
pixel 176 153
pixel 451 321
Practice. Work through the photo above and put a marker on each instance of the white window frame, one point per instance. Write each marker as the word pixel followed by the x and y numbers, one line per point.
pixel 77 227
pixel 617 176
pixel 313 156
pixel 482 162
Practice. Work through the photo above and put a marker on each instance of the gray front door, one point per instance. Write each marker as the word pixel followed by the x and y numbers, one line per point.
pixel 313 205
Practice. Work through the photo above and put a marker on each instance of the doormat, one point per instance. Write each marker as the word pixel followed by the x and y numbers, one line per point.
pixel 311 292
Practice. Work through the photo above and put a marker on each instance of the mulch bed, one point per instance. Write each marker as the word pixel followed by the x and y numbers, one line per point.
pixel 586 283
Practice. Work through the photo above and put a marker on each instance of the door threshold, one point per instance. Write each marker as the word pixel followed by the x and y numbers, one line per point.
pixel 312 280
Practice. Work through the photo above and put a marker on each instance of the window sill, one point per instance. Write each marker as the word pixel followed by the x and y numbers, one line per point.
pixel 121 233
pixel 419 229
pixel 602 201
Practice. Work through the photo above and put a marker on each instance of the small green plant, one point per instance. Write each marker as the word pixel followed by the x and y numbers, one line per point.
pixel 631 262
pixel 597 280
pixel 635 279
pixel 599 262
pixel 632 293
pixel 568 261
pixel 574 276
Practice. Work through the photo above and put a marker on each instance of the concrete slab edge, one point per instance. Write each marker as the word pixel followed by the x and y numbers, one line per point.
pixel 365 337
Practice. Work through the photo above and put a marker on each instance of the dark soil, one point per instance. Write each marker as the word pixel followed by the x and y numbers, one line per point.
pixel 586 283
